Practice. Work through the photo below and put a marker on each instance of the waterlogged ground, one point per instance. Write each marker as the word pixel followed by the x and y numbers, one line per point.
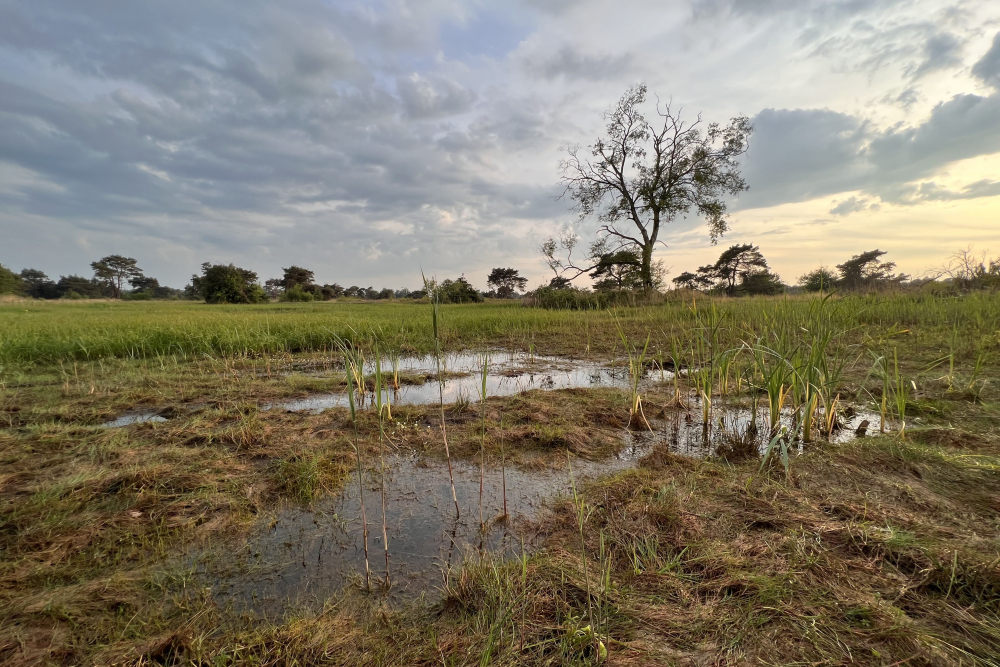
pixel 507 374
pixel 215 519
pixel 304 556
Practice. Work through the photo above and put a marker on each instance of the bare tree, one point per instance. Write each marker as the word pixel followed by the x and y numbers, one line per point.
pixel 642 176
pixel 968 269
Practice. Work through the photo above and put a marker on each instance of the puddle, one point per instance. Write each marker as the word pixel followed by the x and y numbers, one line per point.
pixel 307 555
pixel 685 433
pixel 508 374
pixel 130 418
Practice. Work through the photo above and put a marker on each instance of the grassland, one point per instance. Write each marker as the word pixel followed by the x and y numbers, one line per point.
pixel 881 551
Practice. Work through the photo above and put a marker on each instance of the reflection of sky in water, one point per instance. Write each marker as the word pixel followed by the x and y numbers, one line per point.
pixel 133 418
pixel 508 374
pixel 684 432
pixel 306 556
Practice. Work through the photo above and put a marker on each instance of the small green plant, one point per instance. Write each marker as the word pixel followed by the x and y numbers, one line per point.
pixel 585 635
pixel 503 469
pixel 900 392
pixel 299 477
pixel 675 357
pixel 772 369
pixel 393 354
pixel 977 370
pixel 778 448
pixel 636 371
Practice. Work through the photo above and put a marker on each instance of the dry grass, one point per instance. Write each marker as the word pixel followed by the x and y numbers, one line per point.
pixel 877 552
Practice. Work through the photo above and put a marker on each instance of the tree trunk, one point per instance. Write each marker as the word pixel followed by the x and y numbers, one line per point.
pixel 647 266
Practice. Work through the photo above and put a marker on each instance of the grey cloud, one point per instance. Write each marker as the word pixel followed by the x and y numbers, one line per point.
pixel 963 127
pixel 552 6
pixel 248 139
pixel 801 154
pixel 850 205
pixel 312 132
pixel 428 98
pixel 931 191
pixel 988 67
pixel 572 63
pixel 797 154
pixel 821 9
pixel 856 35
pixel 905 99
pixel 941 51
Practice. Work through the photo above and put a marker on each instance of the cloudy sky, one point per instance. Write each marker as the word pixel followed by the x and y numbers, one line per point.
pixel 368 140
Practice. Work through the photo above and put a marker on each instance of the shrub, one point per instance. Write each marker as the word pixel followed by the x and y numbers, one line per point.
pixel 297 293
pixel 10 282
pixel 84 288
pixel 818 279
pixel 227 283
pixel 765 283
pixel 572 298
pixel 458 291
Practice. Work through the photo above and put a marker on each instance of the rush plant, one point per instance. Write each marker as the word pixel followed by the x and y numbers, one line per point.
pixel 435 314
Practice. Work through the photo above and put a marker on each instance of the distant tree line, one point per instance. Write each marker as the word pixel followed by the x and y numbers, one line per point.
pixel 119 277
pixel 617 273
pixel 113 275
pixel 864 272
pixel 740 270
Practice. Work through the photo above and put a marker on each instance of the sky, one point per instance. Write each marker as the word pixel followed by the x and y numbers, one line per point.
pixel 368 141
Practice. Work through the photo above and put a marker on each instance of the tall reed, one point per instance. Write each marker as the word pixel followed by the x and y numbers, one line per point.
pixel 636 371
pixel 581 519
pixel 503 469
pixel 675 357
pixel 484 371
pixel 899 394
pixel 773 370
pixel 435 300
pixel 351 361
pixel 380 407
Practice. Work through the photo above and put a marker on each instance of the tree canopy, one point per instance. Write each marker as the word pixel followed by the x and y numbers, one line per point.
pixel 818 280
pixel 867 271
pixel 506 283
pixel 456 291
pixel 227 283
pixel 10 282
pixel 296 275
pixel 115 271
pixel 641 176
pixel 740 269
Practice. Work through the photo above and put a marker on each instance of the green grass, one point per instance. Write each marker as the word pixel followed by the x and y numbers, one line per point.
pixel 53 332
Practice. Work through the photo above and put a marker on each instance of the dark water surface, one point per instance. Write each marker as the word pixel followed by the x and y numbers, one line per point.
pixel 307 555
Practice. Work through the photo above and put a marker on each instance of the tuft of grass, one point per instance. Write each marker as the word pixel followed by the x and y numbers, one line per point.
pixel 299 477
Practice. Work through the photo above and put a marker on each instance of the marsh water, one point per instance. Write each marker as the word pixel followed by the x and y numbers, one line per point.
pixel 508 373
pixel 138 417
pixel 305 555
